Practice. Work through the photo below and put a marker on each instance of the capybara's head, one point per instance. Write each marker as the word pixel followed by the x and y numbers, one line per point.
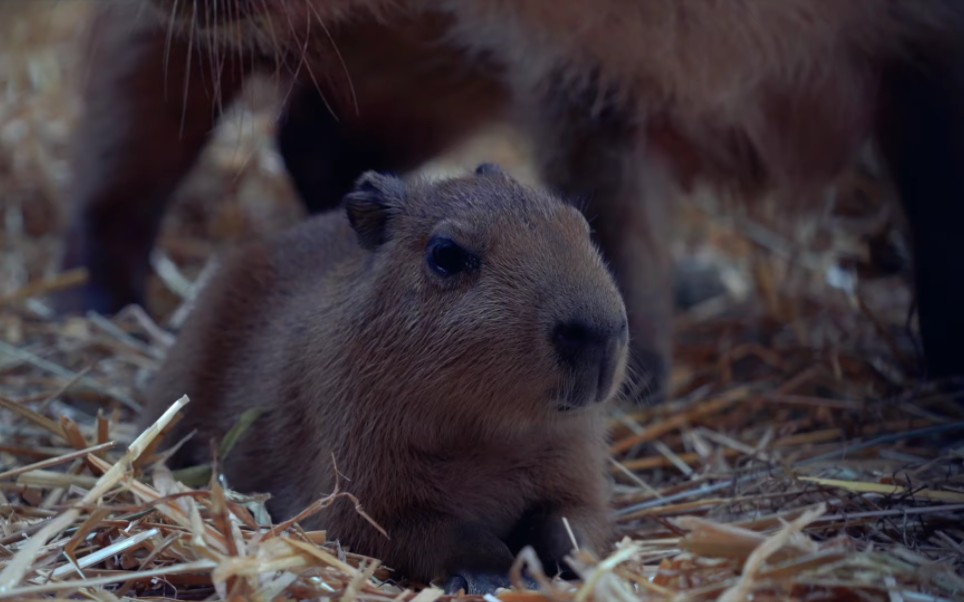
pixel 498 301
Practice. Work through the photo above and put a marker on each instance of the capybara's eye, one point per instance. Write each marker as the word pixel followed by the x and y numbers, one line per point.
pixel 447 258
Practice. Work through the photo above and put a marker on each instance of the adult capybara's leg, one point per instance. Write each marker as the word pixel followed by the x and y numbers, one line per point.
pixel 597 160
pixel 391 99
pixel 921 131
pixel 322 156
pixel 150 104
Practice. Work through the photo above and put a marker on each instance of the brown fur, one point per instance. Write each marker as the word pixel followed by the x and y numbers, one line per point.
pixel 629 100
pixel 439 399
pixel 791 84
pixel 151 102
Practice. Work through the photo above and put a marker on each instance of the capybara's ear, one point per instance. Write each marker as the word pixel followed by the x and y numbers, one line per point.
pixel 371 205
pixel 488 169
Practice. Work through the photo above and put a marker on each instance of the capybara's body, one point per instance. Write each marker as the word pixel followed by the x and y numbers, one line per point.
pixel 449 347
pixel 625 100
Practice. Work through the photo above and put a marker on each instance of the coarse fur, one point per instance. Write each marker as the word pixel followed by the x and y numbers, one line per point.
pixel 782 91
pixel 627 102
pixel 151 102
pixel 466 413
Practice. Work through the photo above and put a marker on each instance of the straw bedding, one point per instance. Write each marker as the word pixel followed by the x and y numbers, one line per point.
pixel 798 457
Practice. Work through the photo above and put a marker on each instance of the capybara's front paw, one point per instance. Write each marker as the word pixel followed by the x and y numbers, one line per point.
pixel 479 583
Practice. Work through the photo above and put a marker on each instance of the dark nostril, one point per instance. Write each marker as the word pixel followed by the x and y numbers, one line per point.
pixel 572 338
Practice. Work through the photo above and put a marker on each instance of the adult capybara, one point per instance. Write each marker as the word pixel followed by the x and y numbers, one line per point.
pixel 625 100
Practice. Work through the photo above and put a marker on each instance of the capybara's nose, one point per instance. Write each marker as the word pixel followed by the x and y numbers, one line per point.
pixel 576 341
pixel 593 354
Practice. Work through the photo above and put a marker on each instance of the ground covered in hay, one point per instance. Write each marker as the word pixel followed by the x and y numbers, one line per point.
pixel 798 457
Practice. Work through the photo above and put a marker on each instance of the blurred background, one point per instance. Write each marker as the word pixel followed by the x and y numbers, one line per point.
pixel 748 274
